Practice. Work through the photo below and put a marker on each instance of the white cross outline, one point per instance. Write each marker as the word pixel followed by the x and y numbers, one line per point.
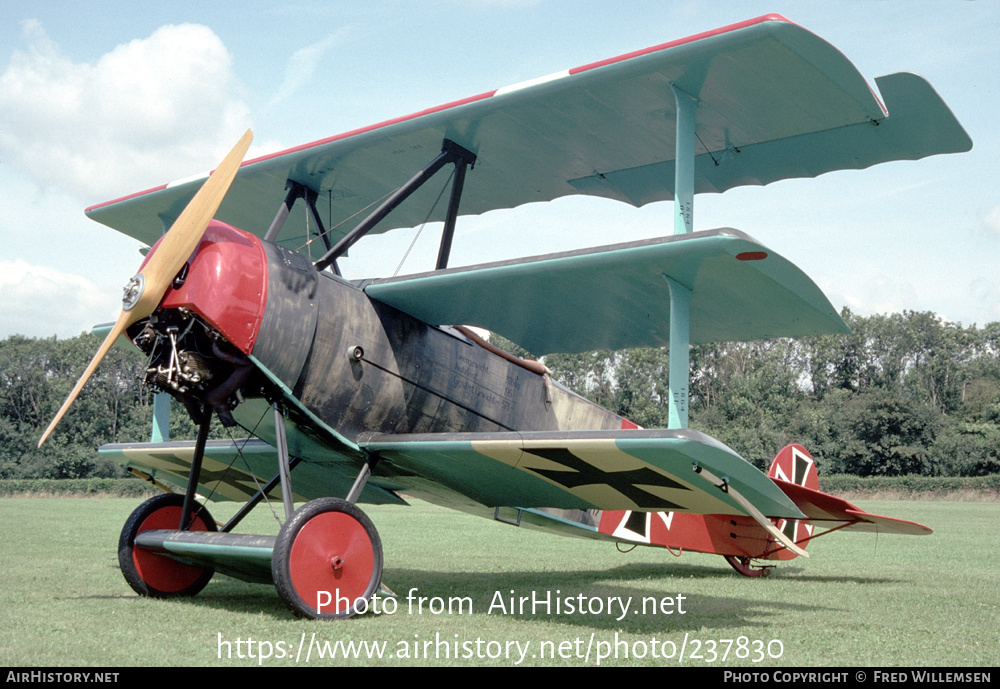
pixel 621 531
pixel 797 454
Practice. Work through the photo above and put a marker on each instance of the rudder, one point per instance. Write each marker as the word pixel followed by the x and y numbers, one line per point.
pixel 794 464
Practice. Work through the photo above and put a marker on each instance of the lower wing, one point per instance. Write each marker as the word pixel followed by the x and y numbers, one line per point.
pixel 639 470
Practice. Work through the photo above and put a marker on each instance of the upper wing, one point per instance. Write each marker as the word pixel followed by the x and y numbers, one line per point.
pixel 774 101
pixel 740 291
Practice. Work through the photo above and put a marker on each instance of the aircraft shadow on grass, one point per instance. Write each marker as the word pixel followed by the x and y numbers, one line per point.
pixel 486 589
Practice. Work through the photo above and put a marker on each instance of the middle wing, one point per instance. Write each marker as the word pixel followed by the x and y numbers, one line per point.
pixel 741 291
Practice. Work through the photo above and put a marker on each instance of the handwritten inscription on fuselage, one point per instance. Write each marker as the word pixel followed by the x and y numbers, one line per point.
pixel 474 381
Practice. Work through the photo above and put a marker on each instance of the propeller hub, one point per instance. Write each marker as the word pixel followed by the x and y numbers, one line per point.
pixel 133 292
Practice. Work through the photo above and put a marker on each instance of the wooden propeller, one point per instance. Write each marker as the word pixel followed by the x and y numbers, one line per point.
pixel 146 290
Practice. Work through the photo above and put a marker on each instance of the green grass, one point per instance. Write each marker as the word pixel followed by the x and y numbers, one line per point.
pixel 859 600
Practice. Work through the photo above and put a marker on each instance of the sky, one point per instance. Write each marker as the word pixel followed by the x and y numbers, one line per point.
pixel 103 99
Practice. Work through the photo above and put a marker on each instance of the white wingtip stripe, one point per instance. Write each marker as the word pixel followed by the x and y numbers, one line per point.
pixel 531 82
pixel 185 180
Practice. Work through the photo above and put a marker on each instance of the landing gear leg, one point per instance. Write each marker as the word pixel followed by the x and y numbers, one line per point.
pixel 327 561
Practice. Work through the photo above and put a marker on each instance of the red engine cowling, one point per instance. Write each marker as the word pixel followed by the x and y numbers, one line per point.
pixel 225 284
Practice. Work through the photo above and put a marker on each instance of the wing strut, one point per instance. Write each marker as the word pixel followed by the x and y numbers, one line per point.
pixel 463 160
pixel 680 295
pixel 297 191
pixel 450 153
pixel 684 162
pixel 680 354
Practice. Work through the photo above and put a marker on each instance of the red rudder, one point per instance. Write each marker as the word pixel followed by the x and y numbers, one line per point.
pixel 795 465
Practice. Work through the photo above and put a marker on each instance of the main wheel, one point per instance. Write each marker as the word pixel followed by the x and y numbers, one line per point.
pixel 327 561
pixel 157 576
pixel 745 566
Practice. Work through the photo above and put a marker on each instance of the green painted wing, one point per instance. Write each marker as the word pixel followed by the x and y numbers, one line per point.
pixel 616 296
pixel 774 102
pixel 233 470
pixel 646 470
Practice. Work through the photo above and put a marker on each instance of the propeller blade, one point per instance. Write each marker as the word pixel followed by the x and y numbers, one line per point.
pixel 147 289
pixel 180 242
pixel 120 325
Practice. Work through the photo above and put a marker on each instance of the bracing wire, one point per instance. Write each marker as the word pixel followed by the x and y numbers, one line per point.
pixel 310 240
pixel 423 224
pixel 239 455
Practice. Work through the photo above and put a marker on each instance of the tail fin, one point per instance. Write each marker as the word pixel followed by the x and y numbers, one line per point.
pixel 795 465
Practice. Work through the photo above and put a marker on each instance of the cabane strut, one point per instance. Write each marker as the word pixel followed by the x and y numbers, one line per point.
pixel 450 153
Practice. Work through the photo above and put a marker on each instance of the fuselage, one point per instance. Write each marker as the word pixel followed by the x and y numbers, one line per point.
pixel 360 366
pixel 249 322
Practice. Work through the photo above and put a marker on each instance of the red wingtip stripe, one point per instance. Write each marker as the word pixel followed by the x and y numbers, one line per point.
pixel 682 41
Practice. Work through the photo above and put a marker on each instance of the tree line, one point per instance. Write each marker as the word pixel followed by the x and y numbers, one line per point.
pixel 36 376
pixel 906 393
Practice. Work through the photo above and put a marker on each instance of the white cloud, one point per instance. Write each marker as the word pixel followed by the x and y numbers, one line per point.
pixel 302 65
pixel 74 133
pixel 867 292
pixel 37 301
pixel 984 294
pixel 144 113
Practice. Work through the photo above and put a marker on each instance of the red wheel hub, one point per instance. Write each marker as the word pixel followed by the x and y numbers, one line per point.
pixel 332 554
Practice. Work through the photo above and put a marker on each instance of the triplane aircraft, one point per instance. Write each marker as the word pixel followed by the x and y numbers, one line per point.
pixel 376 391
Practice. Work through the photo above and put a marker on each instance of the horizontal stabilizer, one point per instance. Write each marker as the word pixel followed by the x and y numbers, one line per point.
pixel 617 296
pixel 830 511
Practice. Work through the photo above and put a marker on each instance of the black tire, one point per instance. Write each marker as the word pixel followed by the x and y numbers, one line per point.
pixel 158 576
pixel 327 561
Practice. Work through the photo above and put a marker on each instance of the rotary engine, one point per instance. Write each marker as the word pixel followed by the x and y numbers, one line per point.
pixel 192 362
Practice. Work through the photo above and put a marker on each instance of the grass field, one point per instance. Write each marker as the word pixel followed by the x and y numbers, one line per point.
pixel 860 600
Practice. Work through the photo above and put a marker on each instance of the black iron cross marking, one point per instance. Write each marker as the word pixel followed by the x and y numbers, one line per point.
pixel 800 471
pixel 579 473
